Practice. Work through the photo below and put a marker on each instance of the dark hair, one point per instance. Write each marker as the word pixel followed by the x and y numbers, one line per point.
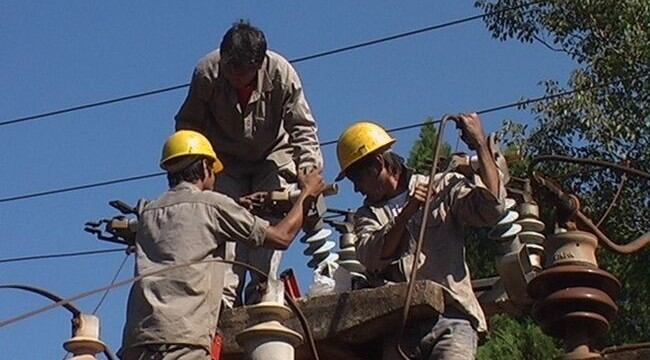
pixel 243 44
pixel 393 162
pixel 190 173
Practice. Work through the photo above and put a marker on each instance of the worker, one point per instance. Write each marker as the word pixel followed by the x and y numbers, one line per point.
pixel 388 223
pixel 249 102
pixel 174 314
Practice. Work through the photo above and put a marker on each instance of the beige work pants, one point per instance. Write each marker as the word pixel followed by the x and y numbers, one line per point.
pixel 262 177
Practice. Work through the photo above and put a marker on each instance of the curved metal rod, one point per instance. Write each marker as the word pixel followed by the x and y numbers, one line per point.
pixel 423 227
pixel 631 247
pixel 68 301
pixel 565 199
pixel 33 289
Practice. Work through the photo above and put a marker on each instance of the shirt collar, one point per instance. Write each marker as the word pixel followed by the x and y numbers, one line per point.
pixel 185 186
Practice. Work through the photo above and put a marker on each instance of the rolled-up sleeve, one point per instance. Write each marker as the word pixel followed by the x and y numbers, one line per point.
pixel 193 113
pixel 370 242
pixel 238 224
pixel 299 123
pixel 472 203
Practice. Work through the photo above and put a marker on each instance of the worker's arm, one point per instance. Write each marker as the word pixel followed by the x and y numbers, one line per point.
pixel 299 122
pixel 479 201
pixel 281 235
pixel 193 114
pixel 474 137
pixel 395 236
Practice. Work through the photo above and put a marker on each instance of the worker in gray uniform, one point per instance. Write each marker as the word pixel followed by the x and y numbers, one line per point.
pixel 174 314
pixel 391 215
pixel 249 102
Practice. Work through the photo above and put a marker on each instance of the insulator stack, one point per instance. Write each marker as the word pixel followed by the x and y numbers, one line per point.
pixel 349 261
pixel 319 247
pixel 506 230
pixel 531 235
pixel 575 300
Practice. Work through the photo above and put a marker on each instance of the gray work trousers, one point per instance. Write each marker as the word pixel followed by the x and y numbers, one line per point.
pixel 451 338
pixel 165 352
pixel 262 177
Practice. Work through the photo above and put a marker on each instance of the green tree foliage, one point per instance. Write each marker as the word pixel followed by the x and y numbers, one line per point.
pixel 511 338
pixel 421 154
pixel 610 44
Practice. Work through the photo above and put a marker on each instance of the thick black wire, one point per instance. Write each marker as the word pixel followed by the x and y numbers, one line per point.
pixel 331 142
pixel 297 60
pixel 62 255
pixel 81 187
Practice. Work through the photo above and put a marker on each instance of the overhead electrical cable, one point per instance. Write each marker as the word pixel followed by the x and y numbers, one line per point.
pixel 516 104
pixel 54 256
pixel 294 61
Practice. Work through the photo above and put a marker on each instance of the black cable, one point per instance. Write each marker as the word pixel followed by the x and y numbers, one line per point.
pixel 331 142
pixel 72 308
pixel 81 187
pixel 297 60
pixel 62 255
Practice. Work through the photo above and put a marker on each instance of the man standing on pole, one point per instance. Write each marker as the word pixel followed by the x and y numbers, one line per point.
pixel 249 102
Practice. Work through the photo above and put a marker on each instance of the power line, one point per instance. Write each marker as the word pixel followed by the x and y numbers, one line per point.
pixel 81 187
pixel 117 273
pixel 61 255
pixel 520 103
pixel 294 61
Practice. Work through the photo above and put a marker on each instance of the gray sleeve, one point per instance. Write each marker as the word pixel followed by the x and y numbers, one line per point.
pixel 472 204
pixel 236 223
pixel 371 235
pixel 193 113
pixel 299 123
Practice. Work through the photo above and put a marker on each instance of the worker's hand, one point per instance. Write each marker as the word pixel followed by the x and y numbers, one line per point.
pixel 420 192
pixel 312 183
pixel 471 130
pixel 252 201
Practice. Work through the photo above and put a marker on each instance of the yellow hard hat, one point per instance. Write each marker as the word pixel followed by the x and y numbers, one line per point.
pixel 359 140
pixel 188 142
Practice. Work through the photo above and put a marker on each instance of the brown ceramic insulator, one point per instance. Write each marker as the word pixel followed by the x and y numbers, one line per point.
pixel 566 276
pixel 553 311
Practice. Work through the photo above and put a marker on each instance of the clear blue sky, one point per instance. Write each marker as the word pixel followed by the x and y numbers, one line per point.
pixel 56 54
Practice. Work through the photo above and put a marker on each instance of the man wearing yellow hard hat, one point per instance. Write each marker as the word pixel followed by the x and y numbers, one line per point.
pixel 173 315
pixel 388 223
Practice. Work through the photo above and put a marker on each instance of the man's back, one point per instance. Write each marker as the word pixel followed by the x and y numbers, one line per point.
pixel 184 225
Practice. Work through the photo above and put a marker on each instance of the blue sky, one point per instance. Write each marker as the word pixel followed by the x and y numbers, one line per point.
pixel 57 54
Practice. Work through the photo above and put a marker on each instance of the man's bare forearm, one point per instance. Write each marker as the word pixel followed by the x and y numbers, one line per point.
pixel 487 168
pixel 393 239
pixel 281 235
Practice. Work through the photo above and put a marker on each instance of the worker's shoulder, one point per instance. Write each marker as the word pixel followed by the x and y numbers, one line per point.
pixel 209 63
pixel 207 198
pixel 212 198
pixel 279 67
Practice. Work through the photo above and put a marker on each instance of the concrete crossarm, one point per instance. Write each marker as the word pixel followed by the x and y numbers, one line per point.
pixel 349 318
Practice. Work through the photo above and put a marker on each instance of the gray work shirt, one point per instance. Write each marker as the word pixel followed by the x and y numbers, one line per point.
pixel 185 224
pixel 458 202
pixel 275 125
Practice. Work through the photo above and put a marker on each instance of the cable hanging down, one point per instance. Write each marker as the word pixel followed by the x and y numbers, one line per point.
pixel 326 143
pixel 294 61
